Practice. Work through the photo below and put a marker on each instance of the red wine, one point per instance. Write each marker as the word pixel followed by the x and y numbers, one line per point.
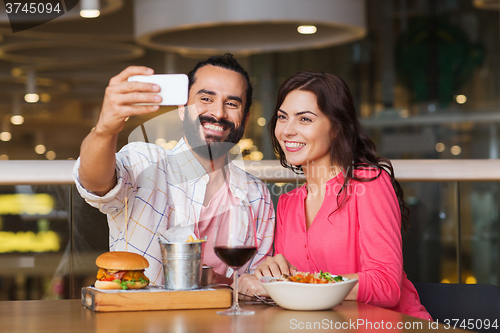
pixel 235 256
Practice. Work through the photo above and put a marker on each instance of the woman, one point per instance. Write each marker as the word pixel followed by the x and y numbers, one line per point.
pixel 347 218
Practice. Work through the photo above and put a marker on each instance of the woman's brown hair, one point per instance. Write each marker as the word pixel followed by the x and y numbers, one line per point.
pixel 352 148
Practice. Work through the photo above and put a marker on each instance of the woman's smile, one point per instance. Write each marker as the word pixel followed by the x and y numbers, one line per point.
pixel 293 146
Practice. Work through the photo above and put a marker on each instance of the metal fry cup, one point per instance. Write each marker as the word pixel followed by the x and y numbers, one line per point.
pixel 207 273
pixel 182 264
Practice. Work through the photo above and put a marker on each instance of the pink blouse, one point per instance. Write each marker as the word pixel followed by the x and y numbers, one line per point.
pixel 363 237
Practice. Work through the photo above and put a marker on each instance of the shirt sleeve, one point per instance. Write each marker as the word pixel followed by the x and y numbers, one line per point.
pixel 380 279
pixel 132 162
pixel 265 220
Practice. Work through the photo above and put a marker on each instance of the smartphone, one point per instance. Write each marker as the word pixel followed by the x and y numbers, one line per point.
pixel 173 87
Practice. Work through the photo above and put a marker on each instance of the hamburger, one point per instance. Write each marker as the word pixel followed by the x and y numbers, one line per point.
pixel 121 270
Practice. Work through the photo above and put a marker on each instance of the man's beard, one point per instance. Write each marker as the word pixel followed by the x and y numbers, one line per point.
pixel 211 147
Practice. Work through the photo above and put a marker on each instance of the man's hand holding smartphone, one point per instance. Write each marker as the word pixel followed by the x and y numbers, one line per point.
pixel 173 87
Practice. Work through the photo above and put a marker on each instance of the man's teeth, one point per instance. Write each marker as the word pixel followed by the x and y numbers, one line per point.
pixel 294 144
pixel 213 127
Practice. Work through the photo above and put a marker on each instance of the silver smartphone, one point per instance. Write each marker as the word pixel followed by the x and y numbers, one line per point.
pixel 173 87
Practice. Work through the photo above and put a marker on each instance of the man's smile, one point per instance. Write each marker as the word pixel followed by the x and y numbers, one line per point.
pixel 213 127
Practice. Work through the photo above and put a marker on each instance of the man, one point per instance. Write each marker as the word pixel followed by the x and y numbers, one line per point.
pixel 144 188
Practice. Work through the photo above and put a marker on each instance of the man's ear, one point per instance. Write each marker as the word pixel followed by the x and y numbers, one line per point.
pixel 181 110
pixel 245 121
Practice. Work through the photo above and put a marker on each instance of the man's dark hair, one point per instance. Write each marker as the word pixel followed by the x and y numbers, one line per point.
pixel 226 61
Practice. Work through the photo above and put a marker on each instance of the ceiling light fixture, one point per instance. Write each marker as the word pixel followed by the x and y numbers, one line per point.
pixel 39 146
pixel 461 99
pixel 90 8
pixel 171 26
pixel 40 149
pixel 307 29
pixel 50 155
pixel 31 95
pixel 45 97
pixel 17 118
pixel 440 147
pixel 456 150
pixel 5 134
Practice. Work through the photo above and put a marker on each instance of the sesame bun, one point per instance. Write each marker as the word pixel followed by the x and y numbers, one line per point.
pixel 119 260
pixel 113 285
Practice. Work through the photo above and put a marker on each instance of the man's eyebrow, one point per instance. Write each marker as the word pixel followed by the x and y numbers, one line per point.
pixel 235 98
pixel 208 92
pixel 213 93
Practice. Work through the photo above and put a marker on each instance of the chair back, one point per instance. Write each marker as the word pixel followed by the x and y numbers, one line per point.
pixel 470 304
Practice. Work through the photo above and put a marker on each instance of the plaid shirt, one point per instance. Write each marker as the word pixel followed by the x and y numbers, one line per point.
pixel 153 181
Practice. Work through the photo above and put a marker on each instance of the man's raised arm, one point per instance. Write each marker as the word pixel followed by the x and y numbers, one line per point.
pixel 97 171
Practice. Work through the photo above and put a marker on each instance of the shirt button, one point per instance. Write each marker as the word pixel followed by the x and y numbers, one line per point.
pixel 307 257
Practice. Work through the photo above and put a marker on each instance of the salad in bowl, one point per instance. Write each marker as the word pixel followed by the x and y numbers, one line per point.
pixel 308 291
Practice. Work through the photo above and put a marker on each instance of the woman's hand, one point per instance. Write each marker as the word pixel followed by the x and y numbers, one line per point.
pixel 275 266
pixel 249 285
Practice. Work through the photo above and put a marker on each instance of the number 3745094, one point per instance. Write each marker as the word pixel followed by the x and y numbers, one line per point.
pixel 32 8
pixel 471 324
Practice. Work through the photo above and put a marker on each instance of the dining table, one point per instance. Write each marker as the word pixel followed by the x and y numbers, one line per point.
pixel 56 316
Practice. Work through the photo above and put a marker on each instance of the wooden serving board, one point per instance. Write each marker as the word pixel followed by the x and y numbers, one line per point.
pixel 154 298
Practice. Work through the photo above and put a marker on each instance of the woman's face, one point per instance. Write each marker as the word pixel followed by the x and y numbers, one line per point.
pixel 303 131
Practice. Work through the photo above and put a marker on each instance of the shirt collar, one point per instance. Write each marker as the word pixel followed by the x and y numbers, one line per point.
pixel 187 162
pixel 238 181
pixel 194 171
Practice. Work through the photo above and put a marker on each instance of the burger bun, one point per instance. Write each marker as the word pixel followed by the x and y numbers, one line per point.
pixel 120 260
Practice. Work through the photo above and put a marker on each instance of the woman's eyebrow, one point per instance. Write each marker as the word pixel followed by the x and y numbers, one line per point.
pixel 299 113
pixel 305 112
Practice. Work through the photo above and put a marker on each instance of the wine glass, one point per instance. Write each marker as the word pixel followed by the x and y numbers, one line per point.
pixel 235 243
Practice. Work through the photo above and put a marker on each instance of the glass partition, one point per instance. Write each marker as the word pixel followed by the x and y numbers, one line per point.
pixel 50 237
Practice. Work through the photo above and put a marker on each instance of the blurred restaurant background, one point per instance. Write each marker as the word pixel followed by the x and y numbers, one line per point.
pixel 425 76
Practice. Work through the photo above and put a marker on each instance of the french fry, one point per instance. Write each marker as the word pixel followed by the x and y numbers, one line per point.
pixel 192 240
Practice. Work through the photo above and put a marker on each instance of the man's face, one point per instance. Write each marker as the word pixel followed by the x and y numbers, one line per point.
pixel 213 121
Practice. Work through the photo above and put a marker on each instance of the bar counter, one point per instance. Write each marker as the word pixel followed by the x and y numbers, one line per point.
pixel 56 316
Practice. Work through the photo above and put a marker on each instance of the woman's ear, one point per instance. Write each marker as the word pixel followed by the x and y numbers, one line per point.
pixel 333 133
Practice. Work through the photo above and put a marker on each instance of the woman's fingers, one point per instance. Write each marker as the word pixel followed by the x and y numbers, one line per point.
pixel 283 266
pixel 274 266
pixel 249 285
pixel 264 269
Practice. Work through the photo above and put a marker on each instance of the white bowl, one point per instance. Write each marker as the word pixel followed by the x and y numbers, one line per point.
pixel 307 296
